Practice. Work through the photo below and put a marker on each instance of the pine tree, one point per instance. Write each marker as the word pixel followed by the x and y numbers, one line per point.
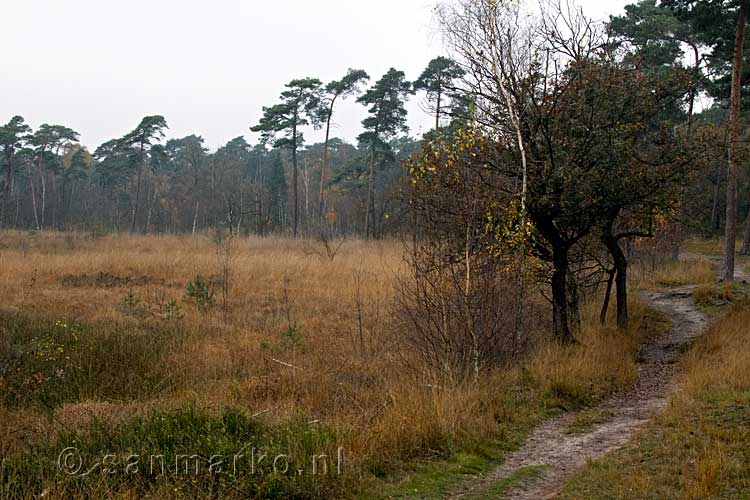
pixel 387 118
pixel 298 106
pixel 338 89
pixel 438 80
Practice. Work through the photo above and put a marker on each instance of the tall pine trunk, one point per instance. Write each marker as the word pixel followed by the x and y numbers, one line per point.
pixel 137 201
pixel 746 237
pixel 691 96
pixel 715 212
pixel 33 203
pixel 324 166
pixel 730 236
pixel 43 183
pixel 437 111
pixel 370 184
pixel 295 210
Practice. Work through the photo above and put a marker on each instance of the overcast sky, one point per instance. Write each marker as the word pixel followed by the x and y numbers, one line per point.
pixel 208 66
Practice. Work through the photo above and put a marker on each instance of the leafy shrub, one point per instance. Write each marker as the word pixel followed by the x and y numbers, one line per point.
pixel 292 336
pixel 131 300
pixel 185 443
pixel 171 310
pixel 47 363
pixel 200 293
pixel 132 305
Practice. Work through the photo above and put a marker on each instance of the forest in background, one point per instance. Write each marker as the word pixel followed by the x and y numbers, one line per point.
pixel 141 183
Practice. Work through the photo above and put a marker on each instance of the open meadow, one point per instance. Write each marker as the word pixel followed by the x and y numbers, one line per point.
pixel 103 342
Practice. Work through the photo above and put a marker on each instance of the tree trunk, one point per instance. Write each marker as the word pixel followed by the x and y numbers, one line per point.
pixel 467 305
pixel 561 325
pixel 43 183
pixel 295 210
pixel 18 211
pixel 730 236
pixel 56 203
pixel 370 184
pixel 306 182
pixel 39 218
pixel 6 188
pixel 620 260
pixel 607 296
pixel 746 238
pixel 437 112
pixel 574 311
pixel 715 213
pixel 324 166
pixel 135 204
pixel 195 218
pixel 150 211
pixel 621 288
pixel 691 97
pixel 33 202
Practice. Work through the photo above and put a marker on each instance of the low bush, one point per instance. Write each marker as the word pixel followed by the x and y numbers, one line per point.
pixel 46 362
pixel 184 453
pixel 200 293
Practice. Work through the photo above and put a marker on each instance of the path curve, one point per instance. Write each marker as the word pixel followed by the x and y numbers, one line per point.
pixel 561 453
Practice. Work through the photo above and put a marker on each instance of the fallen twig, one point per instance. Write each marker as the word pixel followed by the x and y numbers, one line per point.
pixel 286 364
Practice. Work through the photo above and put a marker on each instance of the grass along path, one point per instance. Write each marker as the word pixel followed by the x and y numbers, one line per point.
pixel 699 447
pixel 557 454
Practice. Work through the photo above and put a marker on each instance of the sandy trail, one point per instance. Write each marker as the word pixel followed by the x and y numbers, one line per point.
pixel 561 453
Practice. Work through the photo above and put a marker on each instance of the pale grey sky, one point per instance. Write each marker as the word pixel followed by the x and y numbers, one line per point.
pixel 99 66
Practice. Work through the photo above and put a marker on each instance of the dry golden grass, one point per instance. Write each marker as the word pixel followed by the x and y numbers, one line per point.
pixel 605 358
pixel 720 360
pixel 702 246
pixel 288 344
pixel 694 271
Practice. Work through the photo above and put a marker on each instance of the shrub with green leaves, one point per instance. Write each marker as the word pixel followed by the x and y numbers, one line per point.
pixel 131 299
pixel 292 336
pixel 46 362
pixel 132 305
pixel 171 310
pixel 200 293
pixel 182 453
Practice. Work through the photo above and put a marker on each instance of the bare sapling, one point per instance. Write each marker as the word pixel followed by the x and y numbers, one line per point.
pixel 330 242
pixel 224 241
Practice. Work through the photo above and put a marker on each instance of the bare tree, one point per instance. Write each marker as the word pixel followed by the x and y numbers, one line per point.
pixel 514 61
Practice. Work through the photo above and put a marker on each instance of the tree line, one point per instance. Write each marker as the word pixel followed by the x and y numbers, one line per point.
pixel 141 182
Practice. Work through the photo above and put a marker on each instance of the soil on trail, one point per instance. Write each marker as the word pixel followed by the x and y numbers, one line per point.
pixel 561 453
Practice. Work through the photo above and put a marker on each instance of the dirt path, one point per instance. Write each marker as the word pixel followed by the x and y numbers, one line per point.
pixel 561 453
